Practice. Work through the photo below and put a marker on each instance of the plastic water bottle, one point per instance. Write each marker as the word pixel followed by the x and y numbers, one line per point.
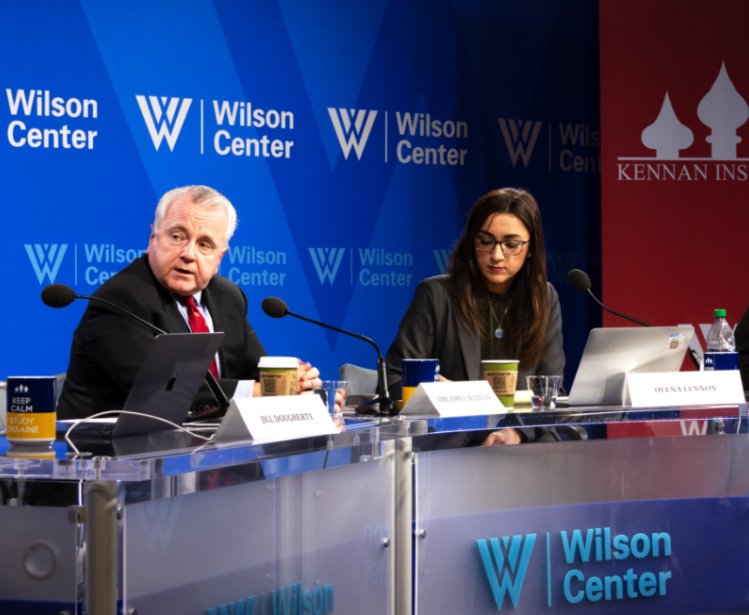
pixel 721 346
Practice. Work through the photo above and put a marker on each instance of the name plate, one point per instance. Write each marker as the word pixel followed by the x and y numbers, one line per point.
pixel 272 419
pixel 446 399
pixel 683 389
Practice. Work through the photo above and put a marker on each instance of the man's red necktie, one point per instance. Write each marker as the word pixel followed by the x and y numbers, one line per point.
pixel 197 324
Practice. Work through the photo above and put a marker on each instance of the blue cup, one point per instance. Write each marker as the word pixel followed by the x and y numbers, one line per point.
pixel 416 371
pixel 31 414
pixel 718 361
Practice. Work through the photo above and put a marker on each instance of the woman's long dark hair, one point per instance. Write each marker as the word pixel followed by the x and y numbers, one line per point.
pixel 527 316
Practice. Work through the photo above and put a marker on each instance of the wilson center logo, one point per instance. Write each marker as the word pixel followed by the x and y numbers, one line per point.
pixel 166 113
pixel 520 138
pixel 46 259
pixel 352 128
pixel 505 565
pixel 443 259
pixel 327 261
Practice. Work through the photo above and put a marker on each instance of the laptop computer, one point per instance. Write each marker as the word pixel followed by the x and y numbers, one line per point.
pixel 612 353
pixel 165 386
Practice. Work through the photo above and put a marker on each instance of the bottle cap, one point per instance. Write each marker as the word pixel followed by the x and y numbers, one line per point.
pixel 720 313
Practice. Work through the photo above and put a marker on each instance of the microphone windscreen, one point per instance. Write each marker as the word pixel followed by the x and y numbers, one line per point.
pixel 579 280
pixel 275 307
pixel 58 295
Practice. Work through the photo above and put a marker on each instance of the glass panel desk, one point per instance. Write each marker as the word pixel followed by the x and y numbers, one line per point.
pixel 601 508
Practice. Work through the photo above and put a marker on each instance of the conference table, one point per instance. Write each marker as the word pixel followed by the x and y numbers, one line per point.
pixel 621 510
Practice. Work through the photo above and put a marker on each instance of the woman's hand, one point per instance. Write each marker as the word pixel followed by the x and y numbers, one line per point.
pixel 505 436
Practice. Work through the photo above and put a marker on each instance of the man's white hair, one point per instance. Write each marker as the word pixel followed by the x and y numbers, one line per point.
pixel 203 196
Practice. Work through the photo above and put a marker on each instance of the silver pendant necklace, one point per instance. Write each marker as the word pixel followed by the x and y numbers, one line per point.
pixel 499 332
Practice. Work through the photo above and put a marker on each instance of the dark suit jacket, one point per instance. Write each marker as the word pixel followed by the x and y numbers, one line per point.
pixel 431 329
pixel 109 349
pixel 742 346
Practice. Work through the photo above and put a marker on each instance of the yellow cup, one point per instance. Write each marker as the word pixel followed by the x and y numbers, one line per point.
pixel 502 375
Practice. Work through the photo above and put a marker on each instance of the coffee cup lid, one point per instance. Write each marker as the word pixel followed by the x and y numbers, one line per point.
pixel 278 363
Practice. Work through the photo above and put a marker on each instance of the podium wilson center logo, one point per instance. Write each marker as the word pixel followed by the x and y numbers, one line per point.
pixel 596 565
pixel 723 110
pixel 505 563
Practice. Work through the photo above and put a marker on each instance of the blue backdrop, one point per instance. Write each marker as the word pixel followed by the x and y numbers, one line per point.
pixel 351 137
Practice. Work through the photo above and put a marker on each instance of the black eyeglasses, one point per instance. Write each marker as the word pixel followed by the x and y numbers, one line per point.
pixel 487 243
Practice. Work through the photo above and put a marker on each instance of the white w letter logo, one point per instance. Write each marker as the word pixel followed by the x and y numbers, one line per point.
pixel 163 115
pixel 517 142
pixel 501 578
pixel 327 261
pixel 42 256
pixel 346 129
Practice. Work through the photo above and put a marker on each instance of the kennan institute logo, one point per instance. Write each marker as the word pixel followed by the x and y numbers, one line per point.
pixel 168 114
pixel 46 259
pixel 505 563
pixel 722 109
pixel 352 128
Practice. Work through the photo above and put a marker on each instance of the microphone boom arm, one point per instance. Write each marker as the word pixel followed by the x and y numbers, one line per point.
pixel 639 322
pixel 690 351
pixel 382 387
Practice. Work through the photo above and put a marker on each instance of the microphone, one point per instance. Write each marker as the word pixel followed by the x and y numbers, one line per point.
pixel 382 405
pixel 60 296
pixel 275 307
pixel 580 281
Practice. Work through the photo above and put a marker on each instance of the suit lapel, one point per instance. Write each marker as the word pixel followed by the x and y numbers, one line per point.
pixel 175 322
pixel 470 346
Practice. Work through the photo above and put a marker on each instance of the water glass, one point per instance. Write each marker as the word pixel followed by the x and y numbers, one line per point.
pixel 328 392
pixel 544 391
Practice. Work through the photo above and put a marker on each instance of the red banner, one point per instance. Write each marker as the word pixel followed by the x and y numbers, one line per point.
pixel 675 160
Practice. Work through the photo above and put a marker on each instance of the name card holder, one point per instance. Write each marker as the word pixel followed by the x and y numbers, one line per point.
pixel 272 419
pixel 683 389
pixel 447 399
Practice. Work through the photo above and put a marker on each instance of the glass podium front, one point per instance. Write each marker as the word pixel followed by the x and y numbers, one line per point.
pixel 601 508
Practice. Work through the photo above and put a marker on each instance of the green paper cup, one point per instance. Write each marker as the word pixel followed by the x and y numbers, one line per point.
pixel 277 376
pixel 502 375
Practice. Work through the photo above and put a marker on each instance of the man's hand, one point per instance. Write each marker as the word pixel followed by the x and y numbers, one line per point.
pixel 339 401
pixel 307 378
pixel 506 436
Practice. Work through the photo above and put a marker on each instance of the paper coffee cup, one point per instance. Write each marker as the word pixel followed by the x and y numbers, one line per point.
pixel 278 376
pixel 502 375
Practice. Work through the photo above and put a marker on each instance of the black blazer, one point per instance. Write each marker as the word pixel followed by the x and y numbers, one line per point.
pixel 109 349
pixel 431 329
pixel 742 346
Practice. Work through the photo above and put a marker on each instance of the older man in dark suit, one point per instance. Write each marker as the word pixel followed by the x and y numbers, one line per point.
pixel 175 286
pixel 742 346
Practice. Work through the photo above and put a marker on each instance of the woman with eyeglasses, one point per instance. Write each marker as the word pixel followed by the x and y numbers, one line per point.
pixel 494 302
